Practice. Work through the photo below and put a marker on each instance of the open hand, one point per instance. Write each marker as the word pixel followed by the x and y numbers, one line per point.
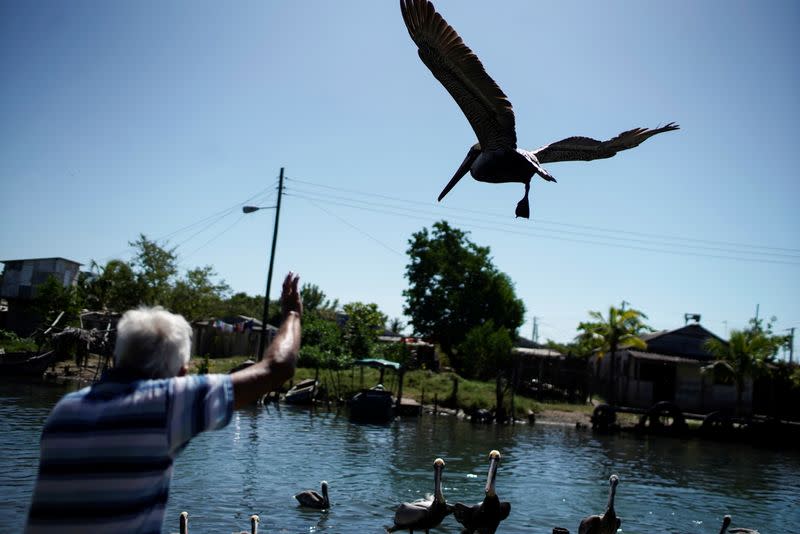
pixel 291 301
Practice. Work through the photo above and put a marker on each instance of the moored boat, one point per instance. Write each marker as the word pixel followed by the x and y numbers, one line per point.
pixel 304 392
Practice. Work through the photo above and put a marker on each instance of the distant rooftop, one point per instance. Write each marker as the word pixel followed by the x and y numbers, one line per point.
pixel 42 259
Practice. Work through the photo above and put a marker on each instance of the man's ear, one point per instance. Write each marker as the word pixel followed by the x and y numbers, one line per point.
pixel 183 371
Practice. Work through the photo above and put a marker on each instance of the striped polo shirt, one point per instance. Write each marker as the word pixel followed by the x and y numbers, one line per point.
pixel 107 451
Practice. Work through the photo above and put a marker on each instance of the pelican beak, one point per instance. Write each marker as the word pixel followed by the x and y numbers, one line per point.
pixel 494 457
pixel 613 481
pixel 462 170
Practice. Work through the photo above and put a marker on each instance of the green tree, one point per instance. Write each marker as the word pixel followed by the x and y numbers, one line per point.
pixel 454 287
pixel 243 304
pixel 487 354
pixel 621 328
pixel 364 324
pixel 487 351
pixel 315 300
pixel 110 287
pixel 155 268
pixel 395 326
pixel 53 297
pixel 197 296
pixel 746 355
pixel 322 343
pixel 580 347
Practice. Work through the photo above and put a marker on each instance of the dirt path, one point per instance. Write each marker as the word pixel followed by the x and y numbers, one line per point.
pixel 563 417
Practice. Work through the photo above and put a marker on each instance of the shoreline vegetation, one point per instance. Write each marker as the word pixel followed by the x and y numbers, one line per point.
pixel 430 389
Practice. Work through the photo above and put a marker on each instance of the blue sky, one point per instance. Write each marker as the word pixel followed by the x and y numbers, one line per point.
pixel 164 118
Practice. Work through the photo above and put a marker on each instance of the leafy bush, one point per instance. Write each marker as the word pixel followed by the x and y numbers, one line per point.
pixel 11 342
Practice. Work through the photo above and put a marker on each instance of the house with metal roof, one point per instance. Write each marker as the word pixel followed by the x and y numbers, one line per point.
pixel 20 280
pixel 670 370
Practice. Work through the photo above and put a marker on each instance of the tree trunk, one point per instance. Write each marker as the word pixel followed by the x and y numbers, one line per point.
pixel 500 412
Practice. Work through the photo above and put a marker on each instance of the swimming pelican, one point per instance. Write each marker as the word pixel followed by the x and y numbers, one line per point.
pixel 496 158
pixel 184 523
pixel 726 521
pixel 312 499
pixel 608 523
pixel 423 514
pixel 254 520
pixel 485 516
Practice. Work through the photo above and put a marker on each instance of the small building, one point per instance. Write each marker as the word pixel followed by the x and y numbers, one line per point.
pixel 546 374
pixel 229 336
pixel 20 280
pixel 670 370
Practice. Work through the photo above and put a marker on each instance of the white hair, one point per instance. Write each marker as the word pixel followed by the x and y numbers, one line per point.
pixel 153 342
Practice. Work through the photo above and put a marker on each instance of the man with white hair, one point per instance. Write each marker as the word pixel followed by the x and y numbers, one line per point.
pixel 107 450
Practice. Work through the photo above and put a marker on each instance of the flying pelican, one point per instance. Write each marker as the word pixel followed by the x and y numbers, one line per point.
pixel 496 158
pixel 485 516
pixel 184 523
pixel 726 521
pixel 608 523
pixel 423 514
pixel 312 499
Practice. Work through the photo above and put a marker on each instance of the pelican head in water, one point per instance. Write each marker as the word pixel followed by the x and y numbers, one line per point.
pixel 423 514
pixel 184 523
pixel 608 523
pixel 312 499
pixel 496 158
pixel 726 522
pixel 485 516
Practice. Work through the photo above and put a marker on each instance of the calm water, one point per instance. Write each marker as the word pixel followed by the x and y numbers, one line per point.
pixel 552 475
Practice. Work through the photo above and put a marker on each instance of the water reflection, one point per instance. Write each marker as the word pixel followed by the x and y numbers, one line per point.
pixel 552 475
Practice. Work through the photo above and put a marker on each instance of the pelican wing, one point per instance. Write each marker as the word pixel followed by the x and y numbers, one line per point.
pixel 410 513
pixel 587 149
pixel 310 498
pixel 590 524
pixel 460 72
pixel 464 512
pixel 505 510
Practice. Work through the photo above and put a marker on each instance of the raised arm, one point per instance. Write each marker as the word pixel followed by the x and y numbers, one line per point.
pixel 280 357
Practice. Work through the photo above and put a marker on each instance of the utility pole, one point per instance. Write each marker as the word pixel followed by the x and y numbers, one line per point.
pixel 262 343
pixel 535 334
pixel 791 344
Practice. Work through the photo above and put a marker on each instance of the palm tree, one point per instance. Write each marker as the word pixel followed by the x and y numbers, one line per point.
pixel 621 328
pixel 395 326
pixel 746 355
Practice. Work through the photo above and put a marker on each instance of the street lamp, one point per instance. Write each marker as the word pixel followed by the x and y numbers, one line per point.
pixel 251 209
pixel 262 343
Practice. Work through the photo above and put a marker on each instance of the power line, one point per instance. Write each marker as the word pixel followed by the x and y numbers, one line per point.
pixel 790 252
pixel 410 213
pixel 378 241
pixel 264 195
pixel 227 229
pixel 581 234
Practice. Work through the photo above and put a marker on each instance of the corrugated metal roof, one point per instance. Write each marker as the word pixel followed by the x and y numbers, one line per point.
pixel 539 353
pixel 654 356
pixel 43 259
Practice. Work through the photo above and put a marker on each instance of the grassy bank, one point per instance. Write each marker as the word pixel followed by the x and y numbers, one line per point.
pixel 423 386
